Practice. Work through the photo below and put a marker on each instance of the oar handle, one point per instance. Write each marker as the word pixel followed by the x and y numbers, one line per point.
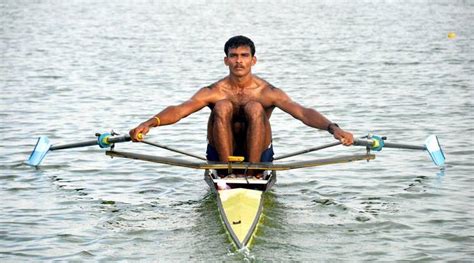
pixel 123 138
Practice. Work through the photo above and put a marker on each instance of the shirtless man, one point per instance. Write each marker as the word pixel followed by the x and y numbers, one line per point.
pixel 241 105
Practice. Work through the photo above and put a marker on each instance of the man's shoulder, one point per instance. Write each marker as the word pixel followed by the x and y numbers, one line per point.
pixel 216 86
pixel 263 83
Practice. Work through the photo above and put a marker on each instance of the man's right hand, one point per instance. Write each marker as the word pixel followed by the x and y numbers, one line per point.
pixel 137 134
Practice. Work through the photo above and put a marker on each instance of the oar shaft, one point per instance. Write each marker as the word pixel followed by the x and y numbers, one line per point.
pixel 73 145
pixel 174 150
pixel 369 142
pixel 308 150
pixel 404 146
pixel 123 138
pixel 116 139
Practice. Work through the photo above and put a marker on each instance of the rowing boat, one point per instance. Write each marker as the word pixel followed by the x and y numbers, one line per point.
pixel 240 203
pixel 239 199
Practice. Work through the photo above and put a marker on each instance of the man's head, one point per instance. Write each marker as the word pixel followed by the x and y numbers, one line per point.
pixel 239 41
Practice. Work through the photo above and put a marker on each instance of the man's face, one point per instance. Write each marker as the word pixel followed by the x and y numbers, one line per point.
pixel 240 61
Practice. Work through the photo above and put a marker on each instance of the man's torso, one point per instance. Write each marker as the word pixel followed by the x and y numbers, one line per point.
pixel 255 91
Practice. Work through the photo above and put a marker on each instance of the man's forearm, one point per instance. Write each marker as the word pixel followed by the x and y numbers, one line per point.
pixel 167 116
pixel 316 120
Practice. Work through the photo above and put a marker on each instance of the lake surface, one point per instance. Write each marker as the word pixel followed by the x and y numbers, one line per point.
pixel 70 69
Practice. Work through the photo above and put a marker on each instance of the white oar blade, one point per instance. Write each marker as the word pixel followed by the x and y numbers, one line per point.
pixel 40 151
pixel 434 148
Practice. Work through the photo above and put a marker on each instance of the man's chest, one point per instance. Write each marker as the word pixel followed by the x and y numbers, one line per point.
pixel 242 97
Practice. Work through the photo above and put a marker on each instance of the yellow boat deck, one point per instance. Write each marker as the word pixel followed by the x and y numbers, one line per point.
pixel 241 206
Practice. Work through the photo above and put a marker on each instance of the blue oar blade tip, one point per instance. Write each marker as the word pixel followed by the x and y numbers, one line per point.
pixel 39 152
pixel 435 151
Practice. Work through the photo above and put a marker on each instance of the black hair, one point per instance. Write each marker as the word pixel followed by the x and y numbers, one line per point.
pixel 238 41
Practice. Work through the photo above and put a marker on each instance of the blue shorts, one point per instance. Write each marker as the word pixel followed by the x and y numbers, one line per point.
pixel 211 154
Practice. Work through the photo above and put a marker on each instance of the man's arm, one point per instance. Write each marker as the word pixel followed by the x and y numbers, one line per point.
pixel 309 116
pixel 173 114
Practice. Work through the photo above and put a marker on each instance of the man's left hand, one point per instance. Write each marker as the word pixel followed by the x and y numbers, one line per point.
pixel 346 138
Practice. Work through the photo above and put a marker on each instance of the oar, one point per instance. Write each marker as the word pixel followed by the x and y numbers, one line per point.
pixel 105 140
pixel 376 143
pixel 431 145
pixel 43 146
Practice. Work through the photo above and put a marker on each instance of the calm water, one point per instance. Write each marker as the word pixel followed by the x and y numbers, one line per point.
pixel 72 68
